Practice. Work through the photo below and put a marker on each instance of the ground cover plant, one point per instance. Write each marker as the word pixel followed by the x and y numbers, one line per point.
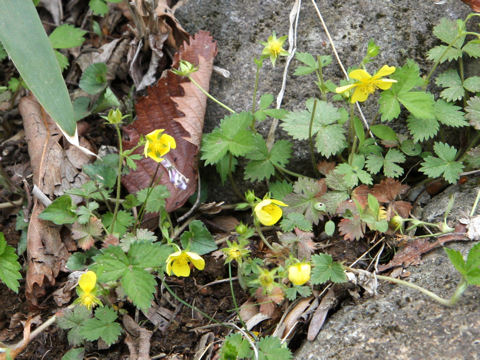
pixel 121 238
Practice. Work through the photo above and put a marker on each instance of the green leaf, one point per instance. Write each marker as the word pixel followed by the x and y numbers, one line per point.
pixel 94 78
pixel 472 84
pixel 74 354
pixel 198 239
pixel 235 347
pixel 110 264
pixel 325 269
pixel 306 195
pixel 295 220
pixel 62 60
pixel 145 254
pixel 449 114
pixel 139 286
pixel 447 30
pixel 411 148
pixel 473 257
pixel 72 320
pixel 85 212
pixel 76 261
pixel 384 132
pixel 330 136
pixel 456 258
pixel 270 348
pixel 80 107
pixel 103 170
pixel 9 266
pixel 389 163
pixel 420 104
pixel 98 7
pixel 280 189
pixel 442 53
pixel 156 198
pixel 141 235
pixel 443 165
pixel 451 81
pixel 263 162
pixel 332 199
pixel 24 38
pixel 309 61
pixel 102 326
pixel 21 225
pixel 67 36
pixel 122 223
pixel 3 53
pixel 473 112
pixel 407 76
pixel 472 48
pixel 231 136
pixel 329 227
pixel 422 129
pixel 354 173
pixel 223 167
pixel 389 106
pixel 60 211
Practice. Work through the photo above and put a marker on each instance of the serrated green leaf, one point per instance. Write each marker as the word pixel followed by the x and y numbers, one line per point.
pixel 72 320
pixel 306 195
pixel 473 257
pixel 198 239
pixel 307 59
pixel 102 326
pixel 24 38
pixel 332 199
pixel 85 212
pixel 270 348
pixel 139 286
pixel 280 189
pixel 448 30
pixel 94 78
pixel 472 48
pixel 107 100
pixel 295 220
pixel 449 114
pixel 62 60
pixel 473 112
pixel 263 162
pixel 265 101
pixel 472 84
pixel 442 53
pixel 98 7
pixel 9 266
pixel 123 221
pixel 103 170
pixel 110 264
pixel 74 354
pixel 325 269
pixel 234 347
pixel 354 173
pixel 330 140
pixel 445 165
pixel 76 261
pixel 384 132
pixel 456 258
pixel 422 129
pixel 451 81
pixel 66 36
pixel 389 163
pixel 155 198
pixel 145 254
pixel 60 211
pixel 420 104
pixel 407 76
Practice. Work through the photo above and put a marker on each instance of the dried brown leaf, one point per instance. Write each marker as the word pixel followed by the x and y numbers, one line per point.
pixel 352 229
pixel 176 105
pixel 267 301
pixel 324 167
pixel 295 314
pixel 137 339
pixel 85 234
pixel 328 302
pixel 306 245
pixel 388 190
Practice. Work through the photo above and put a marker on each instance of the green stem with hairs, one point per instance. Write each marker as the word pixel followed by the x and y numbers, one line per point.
pixel 255 89
pixel 119 177
pixel 310 139
pixel 260 233
pixel 234 299
pixel 206 93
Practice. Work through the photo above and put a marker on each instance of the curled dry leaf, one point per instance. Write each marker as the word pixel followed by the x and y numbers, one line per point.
pixel 178 106
pixel 137 339
pixel 474 4
pixel 294 316
pixel 53 173
pixel 268 301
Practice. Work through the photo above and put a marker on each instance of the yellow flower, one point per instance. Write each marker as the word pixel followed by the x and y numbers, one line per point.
pixel 87 291
pixel 179 263
pixel 299 273
pixel 268 212
pixel 158 144
pixel 236 251
pixel 367 84
pixel 274 47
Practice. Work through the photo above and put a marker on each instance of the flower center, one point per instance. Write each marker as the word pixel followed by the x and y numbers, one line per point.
pixel 275 47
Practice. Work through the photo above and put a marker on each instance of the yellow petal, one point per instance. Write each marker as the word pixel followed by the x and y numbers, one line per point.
pixel 385 84
pixel 278 202
pixel 196 260
pixel 359 95
pixel 87 281
pixel 299 273
pixel 154 135
pixel 384 71
pixel 171 258
pixel 269 214
pixel 170 140
pixel 342 89
pixel 180 267
pixel 360 75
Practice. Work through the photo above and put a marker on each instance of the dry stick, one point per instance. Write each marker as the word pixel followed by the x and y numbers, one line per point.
pixel 292 47
pixel 330 40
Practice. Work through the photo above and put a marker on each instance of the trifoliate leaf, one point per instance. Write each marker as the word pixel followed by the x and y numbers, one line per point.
pixel 472 84
pixel 325 269
pixel 389 163
pixel 102 326
pixel 110 264
pixel 449 114
pixel 123 221
pixel 336 181
pixel 473 112
pixel 198 239
pixel 262 162
pixel 155 198
pixel 73 320
pixel 443 165
pixel 270 348
pixel 448 31
pixel 309 61
pixel 139 286
pixel 295 220
pixel 231 136
pixel 74 354
pixel 420 104
pixel 456 258
pixel 280 189
pixel 451 81
pixel 407 76
pixel 422 129
pixel 98 7
pixel 472 48
pixel 354 173
pixel 90 190
pixel 60 211
pixel 9 266
pixel 235 347
pixel 94 78
pixel 66 36
pixel 304 199
pixel 332 199
pixel 85 212
pixel 442 53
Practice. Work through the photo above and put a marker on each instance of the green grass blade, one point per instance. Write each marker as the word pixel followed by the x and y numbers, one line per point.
pixel 27 44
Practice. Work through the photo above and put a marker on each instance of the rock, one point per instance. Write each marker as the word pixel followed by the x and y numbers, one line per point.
pixel 402 323
pixel 402 29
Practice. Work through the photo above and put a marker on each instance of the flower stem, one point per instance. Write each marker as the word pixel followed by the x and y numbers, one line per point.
pixel 119 177
pixel 286 171
pixel 352 134
pixel 255 89
pixel 260 233
pixel 141 213
pixel 210 96
pixel 310 139
pixel 234 299
pixel 231 179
